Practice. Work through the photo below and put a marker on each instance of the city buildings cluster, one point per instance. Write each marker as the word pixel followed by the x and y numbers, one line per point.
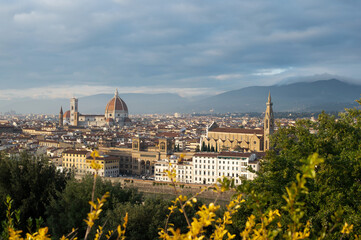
pixel 201 148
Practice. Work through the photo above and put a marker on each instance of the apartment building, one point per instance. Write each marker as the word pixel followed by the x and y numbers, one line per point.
pixel 109 165
pixel 206 168
pixel 183 169
pixel 79 161
pixel 75 160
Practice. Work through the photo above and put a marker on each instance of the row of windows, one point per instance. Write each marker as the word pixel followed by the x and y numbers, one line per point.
pixel 74 155
pixel 220 162
pixel 74 160
pixel 221 167
pixel 111 167
pixel 77 165
pixel 204 173
pixel 182 177
pixel 212 180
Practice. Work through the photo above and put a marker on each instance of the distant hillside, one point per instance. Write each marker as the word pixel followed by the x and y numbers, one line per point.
pixel 329 95
pixel 136 102
pixel 95 104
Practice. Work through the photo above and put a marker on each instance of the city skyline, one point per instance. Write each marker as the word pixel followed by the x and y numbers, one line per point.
pixel 60 49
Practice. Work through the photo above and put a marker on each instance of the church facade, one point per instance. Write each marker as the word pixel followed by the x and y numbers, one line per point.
pixel 238 139
pixel 116 114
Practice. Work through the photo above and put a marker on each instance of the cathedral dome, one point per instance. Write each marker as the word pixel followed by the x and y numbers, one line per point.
pixel 116 109
pixel 67 114
pixel 116 103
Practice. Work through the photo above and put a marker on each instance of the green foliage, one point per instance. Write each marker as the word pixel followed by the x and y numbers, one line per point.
pixel 204 147
pixel 71 206
pixel 31 182
pixel 336 187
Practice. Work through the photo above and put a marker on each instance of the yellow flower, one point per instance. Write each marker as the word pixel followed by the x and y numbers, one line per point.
pixel 94 154
pixel 347 229
pixel 94 165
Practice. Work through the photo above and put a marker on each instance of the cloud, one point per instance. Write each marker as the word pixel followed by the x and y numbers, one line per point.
pixel 213 45
pixel 224 77
pixel 269 72
pixel 68 91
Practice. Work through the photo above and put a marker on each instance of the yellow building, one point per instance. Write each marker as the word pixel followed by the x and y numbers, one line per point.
pixel 79 162
pixel 75 160
pixel 243 140
pixel 109 166
pixel 140 158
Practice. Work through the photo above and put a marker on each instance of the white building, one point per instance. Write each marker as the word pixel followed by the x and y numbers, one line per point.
pixel 184 170
pixel 206 168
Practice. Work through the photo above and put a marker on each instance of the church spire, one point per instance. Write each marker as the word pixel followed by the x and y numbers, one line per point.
pixel 61 117
pixel 268 125
pixel 269 102
pixel 116 92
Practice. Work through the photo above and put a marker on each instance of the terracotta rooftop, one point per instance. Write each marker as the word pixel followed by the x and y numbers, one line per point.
pixel 223 154
pixel 116 104
pixel 82 152
pixel 67 114
pixel 237 130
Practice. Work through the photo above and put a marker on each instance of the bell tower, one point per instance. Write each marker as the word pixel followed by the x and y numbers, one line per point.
pixel 61 117
pixel 268 124
pixel 74 111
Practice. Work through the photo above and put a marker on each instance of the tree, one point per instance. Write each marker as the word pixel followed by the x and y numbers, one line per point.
pixel 197 148
pixel 71 205
pixel 31 182
pixel 204 148
pixel 336 187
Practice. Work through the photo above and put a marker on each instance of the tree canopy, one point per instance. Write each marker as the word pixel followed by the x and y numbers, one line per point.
pixel 337 185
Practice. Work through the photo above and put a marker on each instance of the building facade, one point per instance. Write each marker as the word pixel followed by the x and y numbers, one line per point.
pixel 206 168
pixel 139 159
pixel 116 114
pixel 78 161
pixel 239 139
pixel 183 169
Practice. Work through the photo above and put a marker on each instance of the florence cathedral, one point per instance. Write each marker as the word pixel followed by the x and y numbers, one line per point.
pixel 116 114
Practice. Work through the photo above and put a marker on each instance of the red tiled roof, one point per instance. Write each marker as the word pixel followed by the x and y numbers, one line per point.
pixel 82 152
pixel 116 104
pixel 67 114
pixel 238 130
pixel 206 154
pixel 223 154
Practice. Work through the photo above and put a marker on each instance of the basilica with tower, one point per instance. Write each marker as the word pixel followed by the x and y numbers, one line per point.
pixel 241 139
pixel 116 114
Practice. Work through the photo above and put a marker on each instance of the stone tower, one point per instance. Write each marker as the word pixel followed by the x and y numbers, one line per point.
pixel 269 123
pixel 74 111
pixel 61 117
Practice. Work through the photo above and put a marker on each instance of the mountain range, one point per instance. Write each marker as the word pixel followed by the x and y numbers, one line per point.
pixel 328 95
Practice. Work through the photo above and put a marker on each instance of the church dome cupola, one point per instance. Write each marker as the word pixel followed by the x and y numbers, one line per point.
pixel 116 109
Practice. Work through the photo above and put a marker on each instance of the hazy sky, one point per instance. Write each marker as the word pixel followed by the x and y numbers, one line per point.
pixel 81 47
